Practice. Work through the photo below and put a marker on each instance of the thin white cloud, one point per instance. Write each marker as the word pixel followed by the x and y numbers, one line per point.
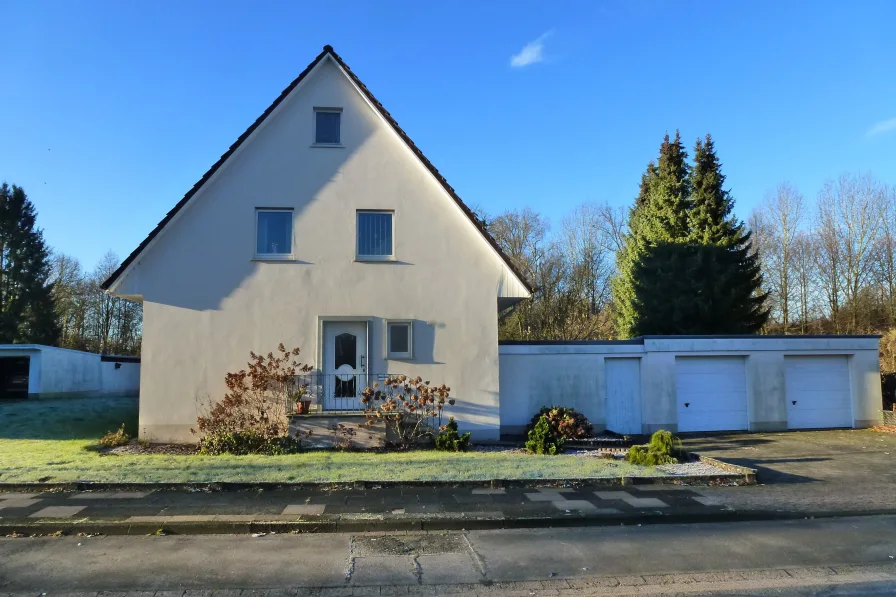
pixel 532 52
pixel 884 126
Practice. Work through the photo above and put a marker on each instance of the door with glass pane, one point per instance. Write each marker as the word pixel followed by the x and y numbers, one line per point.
pixel 345 364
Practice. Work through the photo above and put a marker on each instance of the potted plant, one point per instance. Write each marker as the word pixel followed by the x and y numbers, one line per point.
pixel 302 399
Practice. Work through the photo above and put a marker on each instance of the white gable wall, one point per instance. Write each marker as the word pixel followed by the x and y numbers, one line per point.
pixel 207 303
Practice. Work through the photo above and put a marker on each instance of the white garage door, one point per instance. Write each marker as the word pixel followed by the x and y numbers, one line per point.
pixel 623 378
pixel 712 393
pixel 818 393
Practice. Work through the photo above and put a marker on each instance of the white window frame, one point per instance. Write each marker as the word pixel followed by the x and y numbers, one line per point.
pixel 292 235
pixel 400 355
pixel 314 142
pixel 359 256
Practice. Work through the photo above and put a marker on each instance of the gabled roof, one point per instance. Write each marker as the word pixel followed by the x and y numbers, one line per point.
pixel 327 51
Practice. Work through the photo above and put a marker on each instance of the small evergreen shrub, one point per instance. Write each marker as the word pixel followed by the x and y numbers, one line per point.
pixel 115 438
pixel 543 439
pixel 658 451
pixel 248 442
pixel 449 440
pixel 565 422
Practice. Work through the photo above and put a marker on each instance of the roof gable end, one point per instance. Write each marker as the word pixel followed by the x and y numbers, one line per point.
pixel 378 107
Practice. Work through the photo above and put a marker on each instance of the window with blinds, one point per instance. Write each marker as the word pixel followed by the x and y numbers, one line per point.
pixel 375 240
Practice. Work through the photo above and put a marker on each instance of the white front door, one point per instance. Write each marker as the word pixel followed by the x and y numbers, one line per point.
pixel 345 364
pixel 712 393
pixel 623 379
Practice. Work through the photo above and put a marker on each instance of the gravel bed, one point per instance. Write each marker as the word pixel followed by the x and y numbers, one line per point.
pixel 176 449
pixel 692 468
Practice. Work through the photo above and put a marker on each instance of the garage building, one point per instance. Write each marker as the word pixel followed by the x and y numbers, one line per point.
pixel 696 383
pixel 37 371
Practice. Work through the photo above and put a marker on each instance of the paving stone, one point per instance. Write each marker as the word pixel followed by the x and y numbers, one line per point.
pixel 488 491
pixel 157 518
pixel 631 581
pixel 18 503
pixel 599 581
pixel 636 502
pixel 235 517
pixel 307 509
pixel 580 505
pixel 190 518
pixel 612 495
pixel 811 572
pixel 707 501
pixel 398 511
pixel 669 579
pixel 544 497
pixel 382 570
pixel 57 512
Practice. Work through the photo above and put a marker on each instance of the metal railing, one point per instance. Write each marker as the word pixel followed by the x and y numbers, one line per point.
pixel 324 392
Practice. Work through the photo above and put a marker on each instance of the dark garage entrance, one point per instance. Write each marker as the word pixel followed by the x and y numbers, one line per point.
pixel 14 377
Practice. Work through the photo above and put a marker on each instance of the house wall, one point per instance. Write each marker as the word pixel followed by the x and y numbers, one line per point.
pixel 535 375
pixel 207 303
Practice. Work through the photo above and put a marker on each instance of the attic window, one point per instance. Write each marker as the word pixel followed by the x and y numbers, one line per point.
pixel 327 125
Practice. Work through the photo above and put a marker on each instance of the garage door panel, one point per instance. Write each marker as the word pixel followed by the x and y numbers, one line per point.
pixel 817 392
pixel 711 393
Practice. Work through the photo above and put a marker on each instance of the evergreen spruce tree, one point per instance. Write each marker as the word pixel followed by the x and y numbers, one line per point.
pixel 686 266
pixel 27 313
pixel 659 216
pixel 727 281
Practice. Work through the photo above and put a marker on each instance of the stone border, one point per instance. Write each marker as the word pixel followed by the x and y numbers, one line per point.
pixel 336 524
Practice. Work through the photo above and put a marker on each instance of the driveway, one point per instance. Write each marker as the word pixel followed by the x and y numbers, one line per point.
pixel 812 471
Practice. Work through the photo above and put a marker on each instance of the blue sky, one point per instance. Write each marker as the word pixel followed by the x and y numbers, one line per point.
pixel 110 111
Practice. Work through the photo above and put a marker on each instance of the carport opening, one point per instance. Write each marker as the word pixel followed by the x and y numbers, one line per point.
pixel 14 377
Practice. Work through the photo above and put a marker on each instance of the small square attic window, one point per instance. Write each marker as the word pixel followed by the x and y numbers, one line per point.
pixel 327 125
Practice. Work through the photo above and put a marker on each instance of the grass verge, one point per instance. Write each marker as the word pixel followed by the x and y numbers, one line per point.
pixel 48 441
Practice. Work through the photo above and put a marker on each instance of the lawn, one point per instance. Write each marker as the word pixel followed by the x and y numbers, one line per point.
pixel 46 440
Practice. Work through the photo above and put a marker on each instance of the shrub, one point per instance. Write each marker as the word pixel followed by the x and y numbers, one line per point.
pixel 543 439
pixel 115 438
pixel 565 422
pixel 248 442
pixel 257 397
pixel 658 451
pixel 449 440
pixel 410 407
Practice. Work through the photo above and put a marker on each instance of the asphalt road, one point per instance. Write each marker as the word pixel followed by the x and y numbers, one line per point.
pixel 849 556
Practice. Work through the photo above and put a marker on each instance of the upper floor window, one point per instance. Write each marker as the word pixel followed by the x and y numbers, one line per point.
pixel 327 124
pixel 273 233
pixel 375 235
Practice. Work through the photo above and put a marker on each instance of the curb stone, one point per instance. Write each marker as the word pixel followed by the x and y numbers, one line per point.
pixel 36 528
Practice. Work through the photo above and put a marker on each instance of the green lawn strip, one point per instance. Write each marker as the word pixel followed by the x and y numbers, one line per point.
pixel 46 441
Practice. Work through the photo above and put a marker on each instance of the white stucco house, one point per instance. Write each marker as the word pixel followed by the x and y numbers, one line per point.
pixel 325 227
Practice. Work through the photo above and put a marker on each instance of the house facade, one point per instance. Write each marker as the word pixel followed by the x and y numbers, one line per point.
pixel 325 228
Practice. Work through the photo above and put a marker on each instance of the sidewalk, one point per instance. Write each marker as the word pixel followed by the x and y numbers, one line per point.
pixel 380 509
pixel 320 510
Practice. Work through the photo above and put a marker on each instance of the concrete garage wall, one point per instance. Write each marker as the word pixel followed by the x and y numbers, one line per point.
pixel 68 372
pixel 59 372
pixel 121 381
pixel 572 374
pixel 547 374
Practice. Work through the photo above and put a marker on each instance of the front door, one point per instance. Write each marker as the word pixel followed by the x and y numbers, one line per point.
pixel 345 364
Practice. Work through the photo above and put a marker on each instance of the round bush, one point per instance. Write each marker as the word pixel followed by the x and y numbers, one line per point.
pixel 565 423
